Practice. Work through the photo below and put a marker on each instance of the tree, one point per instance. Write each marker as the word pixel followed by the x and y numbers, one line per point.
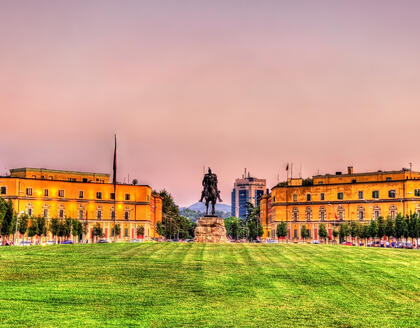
pixel 32 228
pixel 253 223
pixel 323 233
pixel 97 231
pixel 281 230
pixel 354 229
pixel 160 229
pixel 3 209
pixel 170 215
pixel 67 227
pixel 23 224
pixel 55 227
pixel 186 227
pixel 335 234
pixel 233 227
pixel 304 233
pixel 77 228
pixel 38 227
pixel 42 226
pixel 85 228
pixel 140 230
pixel 373 230
pixel 398 228
pixel 343 231
pixel 381 227
pixel 413 229
pixel 364 232
pixel 406 224
pixel 116 230
pixel 389 228
pixel 7 224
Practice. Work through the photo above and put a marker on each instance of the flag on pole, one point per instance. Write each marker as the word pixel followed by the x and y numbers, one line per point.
pixel 114 178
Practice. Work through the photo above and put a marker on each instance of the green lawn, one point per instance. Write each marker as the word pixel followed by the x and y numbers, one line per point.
pixel 204 285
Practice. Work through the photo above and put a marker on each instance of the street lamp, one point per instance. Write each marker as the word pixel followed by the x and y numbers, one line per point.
pixel 17 221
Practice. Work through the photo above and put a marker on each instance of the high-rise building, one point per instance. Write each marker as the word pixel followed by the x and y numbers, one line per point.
pixel 246 190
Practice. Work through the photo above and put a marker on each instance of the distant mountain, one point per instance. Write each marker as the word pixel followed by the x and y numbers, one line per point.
pixel 201 207
pixel 198 210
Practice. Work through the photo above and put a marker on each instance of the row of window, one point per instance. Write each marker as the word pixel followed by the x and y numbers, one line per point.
pixel 340 195
pixel 60 193
pixel 82 215
pixel 340 213
pixel 69 179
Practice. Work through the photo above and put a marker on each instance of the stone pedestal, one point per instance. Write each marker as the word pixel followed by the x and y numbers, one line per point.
pixel 210 229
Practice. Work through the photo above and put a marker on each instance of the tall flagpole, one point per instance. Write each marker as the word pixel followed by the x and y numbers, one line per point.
pixel 114 181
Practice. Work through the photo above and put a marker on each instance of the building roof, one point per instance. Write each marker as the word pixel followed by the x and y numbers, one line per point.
pixel 24 169
pixel 365 173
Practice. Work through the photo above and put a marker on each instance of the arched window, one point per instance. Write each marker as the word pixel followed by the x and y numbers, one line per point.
pixel 99 212
pixel 29 209
pixel 45 211
pixel 361 213
pixel 127 213
pixel 376 212
pixel 340 213
pixel 308 214
pixel 112 213
pixel 393 211
pixel 295 214
pixel 81 212
pixel 61 211
pixel 322 213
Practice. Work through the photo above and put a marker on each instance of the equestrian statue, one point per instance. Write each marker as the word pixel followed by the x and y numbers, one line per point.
pixel 210 192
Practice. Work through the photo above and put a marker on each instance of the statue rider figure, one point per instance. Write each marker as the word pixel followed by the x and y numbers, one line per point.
pixel 210 192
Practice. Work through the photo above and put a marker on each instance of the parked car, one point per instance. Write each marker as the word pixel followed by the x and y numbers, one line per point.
pixel 51 242
pixel 103 241
pixel 136 240
pixel 188 240
pixel 347 243
pixel 399 245
pixel 315 242
pixel 408 245
pixel 25 243
pixel 67 242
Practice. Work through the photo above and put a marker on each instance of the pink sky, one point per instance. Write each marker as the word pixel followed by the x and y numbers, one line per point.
pixel 226 84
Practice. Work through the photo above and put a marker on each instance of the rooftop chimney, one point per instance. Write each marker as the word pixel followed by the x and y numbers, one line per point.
pixel 350 169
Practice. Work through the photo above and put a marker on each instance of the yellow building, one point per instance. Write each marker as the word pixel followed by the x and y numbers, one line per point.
pixel 332 199
pixel 86 196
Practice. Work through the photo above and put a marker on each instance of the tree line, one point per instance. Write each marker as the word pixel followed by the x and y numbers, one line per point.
pixel 39 226
pixel 173 225
pixel 249 228
pixel 401 227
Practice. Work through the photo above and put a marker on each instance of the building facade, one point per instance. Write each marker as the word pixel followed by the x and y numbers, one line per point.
pixel 86 196
pixel 246 190
pixel 336 198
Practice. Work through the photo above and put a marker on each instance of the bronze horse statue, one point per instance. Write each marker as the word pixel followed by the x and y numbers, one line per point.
pixel 210 192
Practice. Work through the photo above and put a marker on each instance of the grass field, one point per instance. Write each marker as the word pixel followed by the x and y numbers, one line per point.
pixel 198 285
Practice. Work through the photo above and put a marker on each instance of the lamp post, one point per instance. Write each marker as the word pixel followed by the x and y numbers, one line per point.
pixel 17 222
